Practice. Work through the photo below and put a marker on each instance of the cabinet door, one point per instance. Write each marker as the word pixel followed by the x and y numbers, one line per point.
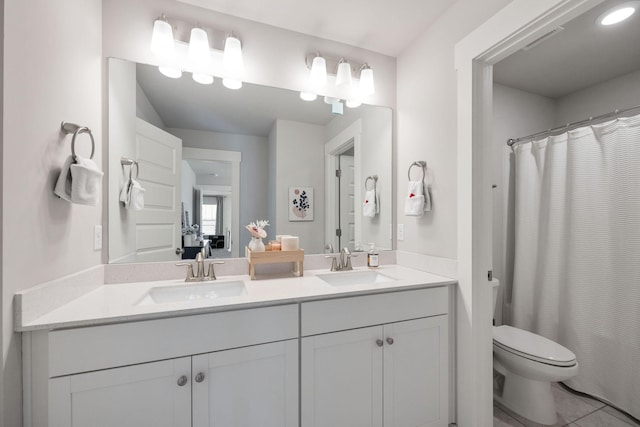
pixel 247 387
pixel 342 379
pixel 132 396
pixel 416 378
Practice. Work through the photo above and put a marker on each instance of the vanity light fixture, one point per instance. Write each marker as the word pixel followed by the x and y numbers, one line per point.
pixel 318 75
pixel 618 14
pixel 232 59
pixel 162 43
pixel 331 100
pixel 367 85
pixel 353 103
pixel 199 51
pixel 232 83
pixel 343 75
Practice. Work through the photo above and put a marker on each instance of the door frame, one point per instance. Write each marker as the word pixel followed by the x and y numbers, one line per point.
pixel 350 136
pixel 517 24
pixel 235 157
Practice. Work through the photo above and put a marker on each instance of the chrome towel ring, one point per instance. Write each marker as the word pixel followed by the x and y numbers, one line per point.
pixel 72 128
pixel 130 162
pixel 374 178
pixel 421 164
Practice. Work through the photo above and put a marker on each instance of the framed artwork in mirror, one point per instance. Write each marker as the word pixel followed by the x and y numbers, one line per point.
pixel 300 204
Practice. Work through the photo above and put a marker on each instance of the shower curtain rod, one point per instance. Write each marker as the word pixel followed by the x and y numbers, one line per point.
pixel 568 126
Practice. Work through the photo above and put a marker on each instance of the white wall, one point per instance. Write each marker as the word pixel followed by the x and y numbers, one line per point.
pixel 300 165
pixel 144 109
pixel 515 113
pixel 426 124
pixel 52 72
pixel 619 93
pixel 253 170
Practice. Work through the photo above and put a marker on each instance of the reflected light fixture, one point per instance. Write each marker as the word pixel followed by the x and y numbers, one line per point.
pixel 203 79
pixel 618 14
pixel 162 43
pixel 232 83
pixel 308 96
pixel 331 100
pixel 173 73
pixel 318 75
pixel 367 86
pixel 353 103
pixel 343 76
pixel 199 46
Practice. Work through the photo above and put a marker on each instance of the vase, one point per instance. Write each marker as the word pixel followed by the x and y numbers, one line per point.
pixel 256 244
pixel 188 240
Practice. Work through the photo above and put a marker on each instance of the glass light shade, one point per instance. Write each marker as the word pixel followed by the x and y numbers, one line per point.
pixel 330 100
pixel 367 86
pixel 173 73
pixel 353 103
pixel 232 83
pixel 199 46
pixel 308 96
pixel 617 15
pixel 343 78
pixel 232 57
pixel 162 40
pixel 318 75
pixel 203 79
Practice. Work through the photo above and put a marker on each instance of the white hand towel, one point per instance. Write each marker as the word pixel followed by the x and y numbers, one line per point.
pixel 417 201
pixel 370 205
pixel 63 184
pixel 132 195
pixel 86 181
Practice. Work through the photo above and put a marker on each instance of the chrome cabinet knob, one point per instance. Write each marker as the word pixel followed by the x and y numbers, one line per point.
pixel 182 380
pixel 199 377
pixel 390 341
pixel 379 342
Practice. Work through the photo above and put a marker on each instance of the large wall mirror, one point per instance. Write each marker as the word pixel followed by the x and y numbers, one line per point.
pixel 223 158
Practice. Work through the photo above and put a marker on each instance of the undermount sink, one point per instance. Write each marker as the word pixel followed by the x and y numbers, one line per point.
pixel 194 292
pixel 368 277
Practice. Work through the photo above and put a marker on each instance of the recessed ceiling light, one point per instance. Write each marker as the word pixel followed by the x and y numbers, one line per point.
pixel 619 13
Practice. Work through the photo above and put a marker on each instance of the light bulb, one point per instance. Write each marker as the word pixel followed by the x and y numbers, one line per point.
pixel 203 79
pixel 353 103
pixel 343 77
pixel 199 46
pixel 318 75
pixel 162 39
pixel 330 100
pixel 367 86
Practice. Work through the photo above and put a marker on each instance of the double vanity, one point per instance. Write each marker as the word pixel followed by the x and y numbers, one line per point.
pixel 359 348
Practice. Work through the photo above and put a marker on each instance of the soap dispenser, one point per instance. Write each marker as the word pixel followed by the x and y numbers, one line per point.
pixel 372 257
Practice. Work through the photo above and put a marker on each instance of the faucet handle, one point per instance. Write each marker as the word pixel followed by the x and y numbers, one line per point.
pixel 190 275
pixel 334 262
pixel 212 273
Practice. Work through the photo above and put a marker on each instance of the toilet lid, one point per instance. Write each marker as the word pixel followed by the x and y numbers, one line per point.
pixel 532 346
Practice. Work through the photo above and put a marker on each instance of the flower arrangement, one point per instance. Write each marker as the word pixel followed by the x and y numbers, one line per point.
pixel 257 228
pixel 190 229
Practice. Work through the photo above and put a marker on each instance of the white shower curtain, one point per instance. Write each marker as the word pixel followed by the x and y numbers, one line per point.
pixel 577 252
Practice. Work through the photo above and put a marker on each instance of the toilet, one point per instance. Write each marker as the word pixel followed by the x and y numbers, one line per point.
pixel 529 364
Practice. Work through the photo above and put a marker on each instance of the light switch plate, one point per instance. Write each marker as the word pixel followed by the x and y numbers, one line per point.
pixel 97 237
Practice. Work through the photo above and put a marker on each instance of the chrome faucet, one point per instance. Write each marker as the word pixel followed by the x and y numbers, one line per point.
pixel 342 261
pixel 199 276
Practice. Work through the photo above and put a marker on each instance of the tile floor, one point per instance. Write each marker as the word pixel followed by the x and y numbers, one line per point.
pixel 573 410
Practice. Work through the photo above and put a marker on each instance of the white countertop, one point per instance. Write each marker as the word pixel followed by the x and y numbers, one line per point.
pixel 113 303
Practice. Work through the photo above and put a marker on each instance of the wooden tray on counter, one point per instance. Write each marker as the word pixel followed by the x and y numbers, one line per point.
pixel 275 257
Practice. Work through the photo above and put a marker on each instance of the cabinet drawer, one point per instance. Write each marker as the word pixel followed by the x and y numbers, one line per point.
pixel 319 317
pixel 99 347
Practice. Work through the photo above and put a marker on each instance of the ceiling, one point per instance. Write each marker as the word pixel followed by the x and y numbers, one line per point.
pixel 582 55
pixel 383 26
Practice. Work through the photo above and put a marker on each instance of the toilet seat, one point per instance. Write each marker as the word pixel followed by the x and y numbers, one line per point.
pixel 532 346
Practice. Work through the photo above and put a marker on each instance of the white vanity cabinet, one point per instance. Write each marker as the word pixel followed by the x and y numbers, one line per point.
pixel 237 368
pixel 377 360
